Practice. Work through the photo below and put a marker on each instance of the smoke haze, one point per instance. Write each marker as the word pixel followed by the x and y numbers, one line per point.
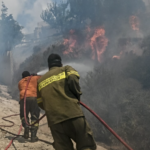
pixel 26 12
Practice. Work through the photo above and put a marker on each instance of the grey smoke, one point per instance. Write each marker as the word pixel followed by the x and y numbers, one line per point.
pixel 26 12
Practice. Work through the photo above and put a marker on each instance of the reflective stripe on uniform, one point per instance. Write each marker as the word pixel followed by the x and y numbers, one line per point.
pixel 35 125
pixel 51 80
pixel 22 119
pixel 39 100
pixel 55 78
pixel 73 72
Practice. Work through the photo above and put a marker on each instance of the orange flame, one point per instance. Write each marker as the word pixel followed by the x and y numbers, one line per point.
pixel 134 22
pixel 71 42
pixel 98 43
pixel 66 41
pixel 118 56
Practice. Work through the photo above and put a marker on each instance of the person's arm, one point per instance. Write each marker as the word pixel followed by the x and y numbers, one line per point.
pixel 39 100
pixel 73 82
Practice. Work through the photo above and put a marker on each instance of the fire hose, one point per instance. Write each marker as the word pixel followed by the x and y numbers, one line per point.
pixel 101 120
pixel 17 115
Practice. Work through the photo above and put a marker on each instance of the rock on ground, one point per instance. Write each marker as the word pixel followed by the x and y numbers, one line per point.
pixel 8 106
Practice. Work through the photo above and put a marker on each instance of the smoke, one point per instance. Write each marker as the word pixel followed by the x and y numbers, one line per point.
pixel 83 69
pixel 26 12
pixel 147 2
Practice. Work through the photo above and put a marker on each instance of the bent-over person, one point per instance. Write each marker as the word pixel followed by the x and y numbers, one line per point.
pixel 59 95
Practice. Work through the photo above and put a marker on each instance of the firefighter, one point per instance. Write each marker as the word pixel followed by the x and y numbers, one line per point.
pixel 59 95
pixel 31 104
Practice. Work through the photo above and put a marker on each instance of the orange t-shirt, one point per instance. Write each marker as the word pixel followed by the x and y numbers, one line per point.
pixel 32 87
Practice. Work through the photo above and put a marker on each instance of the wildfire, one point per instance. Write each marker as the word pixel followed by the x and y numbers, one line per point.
pixel 118 56
pixel 70 43
pixel 66 41
pixel 95 38
pixel 134 22
pixel 98 43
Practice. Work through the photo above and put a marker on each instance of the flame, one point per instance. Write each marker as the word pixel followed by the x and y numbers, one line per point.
pixel 70 43
pixel 66 41
pixel 98 43
pixel 117 56
pixel 134 22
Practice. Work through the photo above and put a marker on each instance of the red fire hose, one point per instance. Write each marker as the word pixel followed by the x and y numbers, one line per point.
pixel 11 126
pixel 102 121
pixel 24 116
pixel 17 115
pixel 8 121
pixel 110 129
pixel 14 138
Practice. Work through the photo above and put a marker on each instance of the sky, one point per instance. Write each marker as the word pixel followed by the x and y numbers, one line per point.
pixel 26 12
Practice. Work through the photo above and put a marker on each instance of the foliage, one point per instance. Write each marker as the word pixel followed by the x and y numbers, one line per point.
pixel 10 31
pixel 139 68
pixel 56 15
pixel 77 15
pixel 122 103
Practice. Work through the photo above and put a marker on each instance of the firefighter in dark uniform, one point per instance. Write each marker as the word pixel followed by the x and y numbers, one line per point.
pixel 31 104
pixel 59 95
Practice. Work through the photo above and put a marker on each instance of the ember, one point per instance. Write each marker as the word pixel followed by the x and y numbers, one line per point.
pixel 134 22
pixel 118 56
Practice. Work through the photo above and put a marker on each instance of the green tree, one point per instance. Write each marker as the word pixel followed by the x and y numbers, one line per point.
pixel 56 15
pixel 73 14
pixel 10 31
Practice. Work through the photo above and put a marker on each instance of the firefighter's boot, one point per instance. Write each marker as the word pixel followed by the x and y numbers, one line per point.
pixel 34 138
pixel 26 132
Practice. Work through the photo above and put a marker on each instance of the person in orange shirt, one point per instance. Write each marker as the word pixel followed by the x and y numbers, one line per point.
pixel 31 104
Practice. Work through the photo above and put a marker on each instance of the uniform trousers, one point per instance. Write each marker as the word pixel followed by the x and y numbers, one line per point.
pixel 32 108
pixel 76 129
